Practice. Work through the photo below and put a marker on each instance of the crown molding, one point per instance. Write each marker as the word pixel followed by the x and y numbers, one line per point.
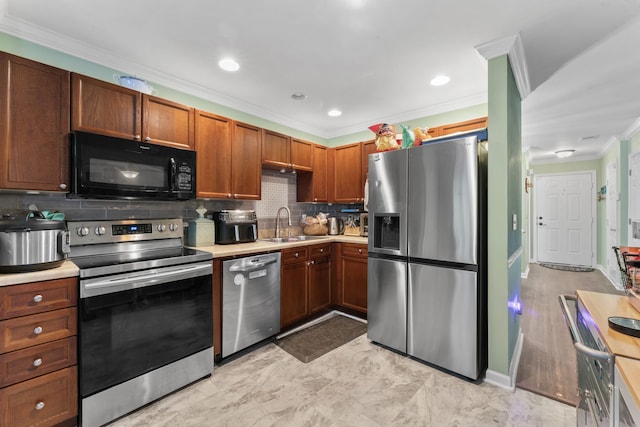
pixel 513 47
pixel 632 130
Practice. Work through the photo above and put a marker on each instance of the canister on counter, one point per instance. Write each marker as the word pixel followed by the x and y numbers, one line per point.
pixel 201 230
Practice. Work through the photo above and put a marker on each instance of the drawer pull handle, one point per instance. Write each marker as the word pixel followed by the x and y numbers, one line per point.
pixel 37 362
pixel 39 406
pixel 321 250
pixel 359 251
pixel 296 255
pixel 37 330
pixel 37 298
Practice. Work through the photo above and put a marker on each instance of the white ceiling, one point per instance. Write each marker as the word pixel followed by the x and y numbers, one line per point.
pixel 372 59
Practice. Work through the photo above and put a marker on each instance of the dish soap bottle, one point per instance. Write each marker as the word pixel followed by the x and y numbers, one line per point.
pixel 201 230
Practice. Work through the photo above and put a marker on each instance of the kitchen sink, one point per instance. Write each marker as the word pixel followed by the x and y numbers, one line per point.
pixel 291 239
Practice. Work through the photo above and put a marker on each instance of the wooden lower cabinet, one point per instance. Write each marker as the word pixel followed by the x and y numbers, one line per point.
pixel 353 276
pixel 38 354
pixel 42 401
pixel 305 282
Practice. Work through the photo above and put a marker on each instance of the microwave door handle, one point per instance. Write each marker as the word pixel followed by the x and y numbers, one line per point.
pixel 254 229
pixel 173 174
pixel 236 231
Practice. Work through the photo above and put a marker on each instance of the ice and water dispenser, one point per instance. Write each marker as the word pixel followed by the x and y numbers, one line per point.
pixel 386 231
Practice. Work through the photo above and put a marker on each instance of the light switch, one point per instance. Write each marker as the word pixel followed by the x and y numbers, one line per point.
pixel 514 222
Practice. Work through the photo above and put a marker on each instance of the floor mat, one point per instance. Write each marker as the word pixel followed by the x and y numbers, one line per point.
pixel 314 341
pixel 565 267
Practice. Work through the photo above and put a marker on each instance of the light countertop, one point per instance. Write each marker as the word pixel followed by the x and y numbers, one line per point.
pixel 630 371
pixel 69 269
pixel 222 251
pixel 602 306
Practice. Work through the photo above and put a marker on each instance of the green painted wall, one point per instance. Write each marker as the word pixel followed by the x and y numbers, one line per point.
pixel 505 157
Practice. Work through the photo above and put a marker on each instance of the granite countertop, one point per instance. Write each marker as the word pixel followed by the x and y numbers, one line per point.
pixel 602 306
pixel 69 269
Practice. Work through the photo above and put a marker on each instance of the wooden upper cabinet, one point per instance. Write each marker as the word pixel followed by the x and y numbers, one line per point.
pixel 301 155
pixel 275 150
pixel 246 173
pixel 167 123
pixel 281 151
pixel 34 125
pixel 347 185
pixel 313 187
pixel 368 147
pixel 109 109
pixel 105 108
pixel 465 126
pixel 213 144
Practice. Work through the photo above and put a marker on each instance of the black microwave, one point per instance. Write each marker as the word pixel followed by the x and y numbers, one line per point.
pixel 107 167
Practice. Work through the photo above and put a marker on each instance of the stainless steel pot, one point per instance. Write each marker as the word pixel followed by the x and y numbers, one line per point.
pixel 29 242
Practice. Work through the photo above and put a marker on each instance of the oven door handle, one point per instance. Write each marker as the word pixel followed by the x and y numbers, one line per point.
pixel 150 278
pixel 575 335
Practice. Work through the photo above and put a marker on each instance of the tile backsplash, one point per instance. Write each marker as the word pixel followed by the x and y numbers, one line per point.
pixel 277 190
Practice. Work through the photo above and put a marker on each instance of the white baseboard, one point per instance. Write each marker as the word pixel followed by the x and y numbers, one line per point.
pixel 525 274
pixel 507 382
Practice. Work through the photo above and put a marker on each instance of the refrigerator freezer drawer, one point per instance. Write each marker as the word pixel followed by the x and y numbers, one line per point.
pixel 387 303
pixel 442 324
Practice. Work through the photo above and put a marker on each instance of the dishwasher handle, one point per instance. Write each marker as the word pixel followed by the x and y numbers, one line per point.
pixel 245 266
pixel 575 335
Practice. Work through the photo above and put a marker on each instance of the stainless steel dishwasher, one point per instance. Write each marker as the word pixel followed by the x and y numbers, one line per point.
pixel 250 301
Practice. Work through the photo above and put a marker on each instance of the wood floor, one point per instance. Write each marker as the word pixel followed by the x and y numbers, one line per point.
pixel 548 361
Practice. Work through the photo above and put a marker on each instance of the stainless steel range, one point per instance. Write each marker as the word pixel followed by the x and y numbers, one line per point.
pixel 145 318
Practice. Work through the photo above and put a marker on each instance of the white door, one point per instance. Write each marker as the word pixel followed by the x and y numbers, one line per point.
pixel 612 218
pixel 634 200
pixel 565 211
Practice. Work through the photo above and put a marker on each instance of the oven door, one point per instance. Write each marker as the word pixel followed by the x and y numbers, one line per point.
pixel 133 323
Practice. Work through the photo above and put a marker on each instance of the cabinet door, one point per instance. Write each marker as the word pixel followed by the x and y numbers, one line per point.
pixel 293 293
pixel 246 171
pixel 347 174
pixel 468 125
pixel 275 150
pixel 319 284
pixel 353 277
pixel 105 108
pixel 34 125
pixel 368 147
pixel 213 144
pixel 313 187
pixel 168 123
pixel 301 155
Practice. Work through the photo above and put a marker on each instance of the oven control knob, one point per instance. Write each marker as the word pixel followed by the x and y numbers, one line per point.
pixel 161 227
pixel 173 227
pixel 83 231
pixel 100 231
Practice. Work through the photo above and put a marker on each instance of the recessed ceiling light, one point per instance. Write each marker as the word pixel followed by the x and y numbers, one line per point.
pixel 298 96
pixel 440 80
pixel 228 64
pixel 334 113
pixel 564 153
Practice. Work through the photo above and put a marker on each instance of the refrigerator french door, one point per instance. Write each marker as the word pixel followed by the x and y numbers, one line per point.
pixel 443 226
pixel 387 262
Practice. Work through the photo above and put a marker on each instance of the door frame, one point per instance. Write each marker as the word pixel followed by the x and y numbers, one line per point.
pixel 594 219
pixel 630 200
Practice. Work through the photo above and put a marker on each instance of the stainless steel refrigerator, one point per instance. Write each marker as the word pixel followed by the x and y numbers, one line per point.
pixel 427 253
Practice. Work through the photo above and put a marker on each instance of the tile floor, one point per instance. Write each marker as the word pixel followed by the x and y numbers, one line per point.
pixel 358 384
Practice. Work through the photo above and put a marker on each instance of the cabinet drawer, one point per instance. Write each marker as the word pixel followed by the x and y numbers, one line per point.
pixel 37 297
pixel 27 331
pixel 38 360
pixel 354 250
pixel 294 255
pixel 43 401
pixel 320 250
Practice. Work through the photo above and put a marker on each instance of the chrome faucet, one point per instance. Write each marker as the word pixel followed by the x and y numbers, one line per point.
pixel 278 220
